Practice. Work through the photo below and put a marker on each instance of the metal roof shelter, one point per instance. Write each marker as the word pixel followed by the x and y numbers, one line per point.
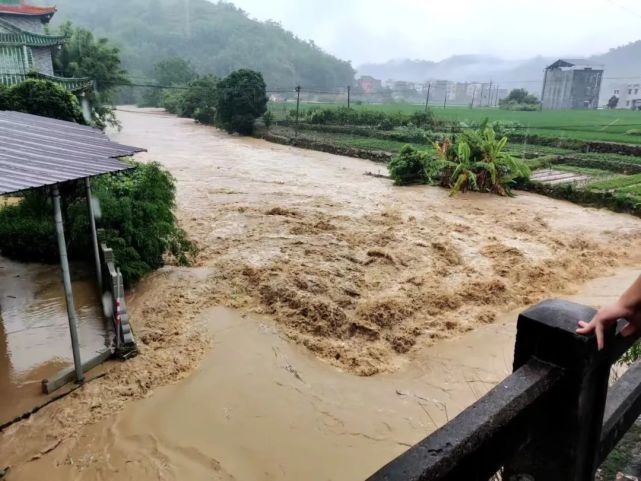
pixel 38 152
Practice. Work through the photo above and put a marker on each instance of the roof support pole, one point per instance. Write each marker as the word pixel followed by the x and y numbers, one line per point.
pixel 94 235
pixel 66 278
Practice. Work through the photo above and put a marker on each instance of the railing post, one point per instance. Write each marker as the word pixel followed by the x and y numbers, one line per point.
pixel 563 441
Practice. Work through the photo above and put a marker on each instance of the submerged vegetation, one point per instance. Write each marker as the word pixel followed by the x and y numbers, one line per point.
pixel 476 160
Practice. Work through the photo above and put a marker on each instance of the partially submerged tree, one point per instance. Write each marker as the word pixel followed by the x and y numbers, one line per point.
pixel 242 99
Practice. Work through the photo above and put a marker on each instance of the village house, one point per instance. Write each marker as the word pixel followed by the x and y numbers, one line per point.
pixel 629 96
pixel 572 84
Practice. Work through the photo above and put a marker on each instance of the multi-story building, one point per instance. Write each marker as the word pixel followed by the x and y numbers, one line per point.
pixel 572 84
pixel 629 96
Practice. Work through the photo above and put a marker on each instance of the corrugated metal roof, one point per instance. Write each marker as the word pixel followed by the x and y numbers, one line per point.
pixel 38 151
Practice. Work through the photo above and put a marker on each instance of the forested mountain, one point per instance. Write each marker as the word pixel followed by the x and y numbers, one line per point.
pixel 216 38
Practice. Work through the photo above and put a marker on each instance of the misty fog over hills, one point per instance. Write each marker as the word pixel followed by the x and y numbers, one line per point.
pixel 619 62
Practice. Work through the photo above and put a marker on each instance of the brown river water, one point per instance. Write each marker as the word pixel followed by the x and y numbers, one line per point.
pixel 358 316
pixel 34 330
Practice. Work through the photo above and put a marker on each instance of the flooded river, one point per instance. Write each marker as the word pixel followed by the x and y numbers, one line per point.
pixel 34 331
pixel 330 320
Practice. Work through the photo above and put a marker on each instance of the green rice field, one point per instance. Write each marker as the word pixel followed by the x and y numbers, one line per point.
pixel 604 125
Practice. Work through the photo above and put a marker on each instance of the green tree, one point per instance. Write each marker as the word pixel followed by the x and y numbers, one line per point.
pixel 83 55
pixel 518 96
pixel 200 99
pixel 520 99
pixel 171 72
pixel 41 97
pixel 241 100
pixel 613 102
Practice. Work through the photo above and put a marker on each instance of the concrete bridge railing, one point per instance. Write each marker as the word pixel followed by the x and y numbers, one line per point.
pixel 554 419
pixel 115 306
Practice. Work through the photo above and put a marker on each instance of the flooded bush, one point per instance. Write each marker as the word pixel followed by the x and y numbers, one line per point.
pixel 409 167
pixel 476 160
pixel 137 223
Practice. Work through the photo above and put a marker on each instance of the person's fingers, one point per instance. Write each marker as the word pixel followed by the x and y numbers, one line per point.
pixel 585 327
pixel 599 335
pixel 629 330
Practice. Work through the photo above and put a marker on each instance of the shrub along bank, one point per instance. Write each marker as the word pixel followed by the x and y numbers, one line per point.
pixel 137 222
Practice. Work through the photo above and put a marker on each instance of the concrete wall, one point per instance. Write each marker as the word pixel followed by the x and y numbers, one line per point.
pixel 571 89
pixel 42 61
pixel 586 87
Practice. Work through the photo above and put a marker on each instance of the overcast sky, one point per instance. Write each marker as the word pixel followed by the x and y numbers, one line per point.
pixel 379 30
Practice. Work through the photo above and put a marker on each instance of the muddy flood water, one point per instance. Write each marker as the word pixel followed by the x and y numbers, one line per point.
pixel 330 319
pixel 34 331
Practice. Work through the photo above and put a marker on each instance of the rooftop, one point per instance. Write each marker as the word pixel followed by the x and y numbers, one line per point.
pixel 15 36
pixel 38 151
pixel 20 7
pixel 575 63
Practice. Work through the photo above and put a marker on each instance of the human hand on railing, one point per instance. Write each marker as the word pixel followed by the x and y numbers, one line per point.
pixel 606 317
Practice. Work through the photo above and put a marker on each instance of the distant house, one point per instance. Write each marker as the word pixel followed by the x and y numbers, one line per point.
pixel 369 85
pixel 629 96
pixel 572 84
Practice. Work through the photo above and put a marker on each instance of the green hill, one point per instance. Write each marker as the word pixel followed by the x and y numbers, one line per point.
pixel 216 38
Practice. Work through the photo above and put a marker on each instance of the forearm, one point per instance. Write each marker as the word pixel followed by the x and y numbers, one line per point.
pixel 631 298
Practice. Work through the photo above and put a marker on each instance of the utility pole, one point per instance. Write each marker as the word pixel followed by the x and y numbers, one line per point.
pixel 489 95
pixel 445 99
pixel 297 108
pixel 349 96
pixel 473 97
pixel 427 101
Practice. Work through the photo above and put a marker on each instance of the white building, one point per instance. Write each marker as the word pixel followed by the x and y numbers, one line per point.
pixel 629 96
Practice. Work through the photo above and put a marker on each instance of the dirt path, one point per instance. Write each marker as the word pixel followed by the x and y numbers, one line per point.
pixel 364 274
